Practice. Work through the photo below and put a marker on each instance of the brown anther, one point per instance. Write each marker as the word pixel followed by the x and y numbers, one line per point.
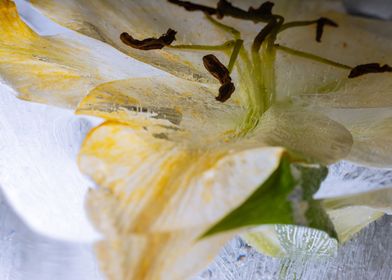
pixel 321 22
pixel 222 74
pixel 225 92
pixel 189 6
pixel 369 68
pixel 265 9
pixel 216 68
pixel 263 34
pixel 261 14
pixel 149 43
pixel 225 8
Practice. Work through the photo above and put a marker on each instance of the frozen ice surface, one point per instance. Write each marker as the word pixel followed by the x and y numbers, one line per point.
pixel 367 256
pixel 27 255
pixel 38 169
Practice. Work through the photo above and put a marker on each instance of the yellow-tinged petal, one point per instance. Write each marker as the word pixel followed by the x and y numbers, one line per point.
pixel 56 70
pixel 191 107
pixel 157 256
pixel 350 220
pixel 153 184
pixel 307 133
pixel 169 102
pixel 107 19
pixel 156 198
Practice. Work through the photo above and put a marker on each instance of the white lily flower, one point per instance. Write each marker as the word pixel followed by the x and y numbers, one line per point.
pixel 183 162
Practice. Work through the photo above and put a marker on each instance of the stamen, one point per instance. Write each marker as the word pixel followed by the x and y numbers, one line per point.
pixel 236 34
pixel 149 43
pixel 320 23
pixel 261 14
pixel 222 74
pixel 369 68
pixel 264 10
pixel 356 71
pixel 312 57
pixel 225 46
pixel 234 55
pixel 267 30
pixel 225 92
pixel 216 68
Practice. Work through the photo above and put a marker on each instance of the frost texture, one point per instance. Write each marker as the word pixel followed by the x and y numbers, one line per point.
pixel 367 256
pixel 346 178
pixel 26 255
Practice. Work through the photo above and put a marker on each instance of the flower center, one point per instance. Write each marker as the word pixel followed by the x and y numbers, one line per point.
pixel 256 67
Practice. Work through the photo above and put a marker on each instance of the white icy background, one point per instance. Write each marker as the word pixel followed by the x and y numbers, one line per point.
pixel 44 232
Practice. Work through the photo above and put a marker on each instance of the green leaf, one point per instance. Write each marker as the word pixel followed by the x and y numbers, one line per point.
pixel 316 215
pixel 269 204
pixel 316 239
pixel 282 199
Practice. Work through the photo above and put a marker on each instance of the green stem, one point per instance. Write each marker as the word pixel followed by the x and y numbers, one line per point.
pixel 312 57
pixel 257 74
pixel 236 34
pixel 264 70
pixel 234 55
pixel 268 71
pixel 248 75
pixel 222 47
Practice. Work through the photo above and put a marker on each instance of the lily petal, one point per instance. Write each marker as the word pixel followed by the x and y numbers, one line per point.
pixel 167 101
pixel 156 198
pixel 57 70
pixel 368 91
pixel 350 220
pixel 192 107
pixel 371 129
pixel 372 144
pixel 356 41
pixel 106 20
pixel 172 255
pixel 380 200
pixel 306 133
pixel 153 184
